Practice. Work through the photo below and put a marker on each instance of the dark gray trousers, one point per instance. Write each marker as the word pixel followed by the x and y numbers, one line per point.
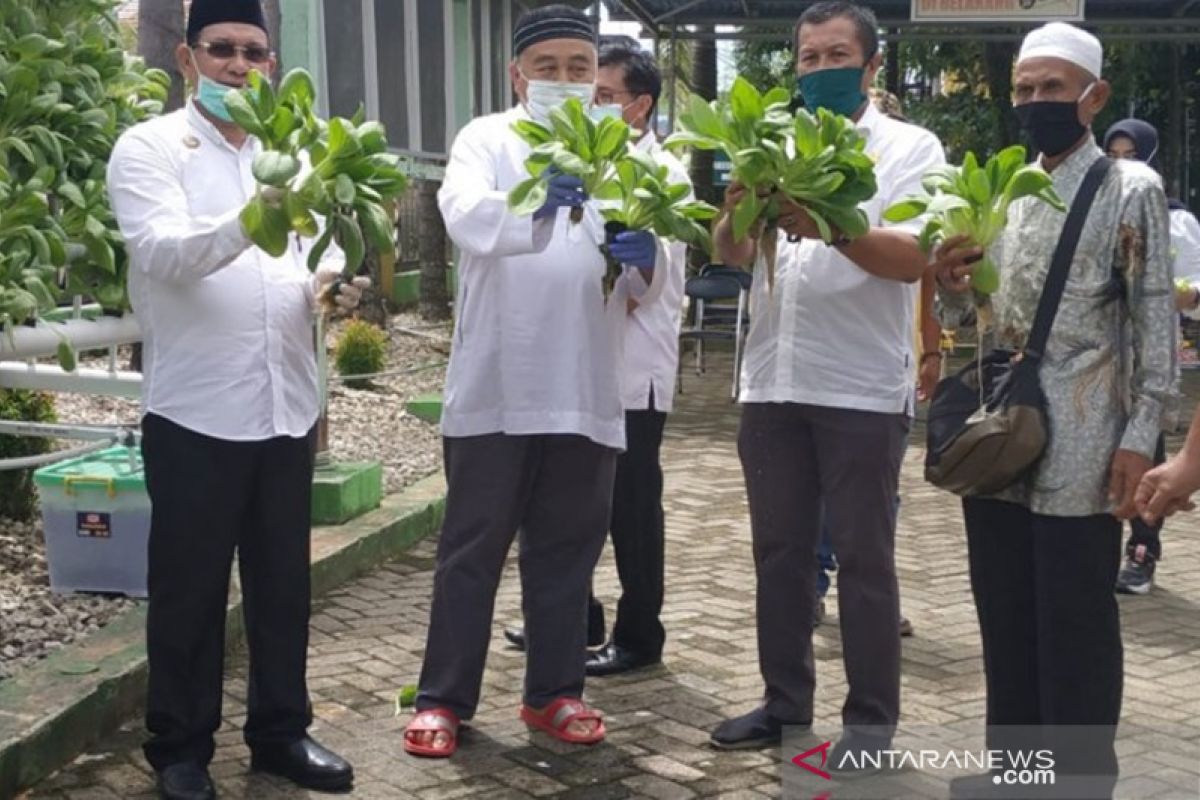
pixel 558 490
pixel 796 457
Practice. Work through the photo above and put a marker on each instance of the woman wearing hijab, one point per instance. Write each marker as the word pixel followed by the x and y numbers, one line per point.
pixel 1137 139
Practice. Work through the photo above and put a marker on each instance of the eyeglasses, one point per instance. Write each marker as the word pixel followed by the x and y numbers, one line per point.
pixel 224 51
pixel 608 98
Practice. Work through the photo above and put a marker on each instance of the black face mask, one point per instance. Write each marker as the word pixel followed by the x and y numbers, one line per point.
pixel 1052 127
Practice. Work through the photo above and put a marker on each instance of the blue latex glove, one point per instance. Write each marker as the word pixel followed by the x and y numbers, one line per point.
pixel 563 191
pixel 634 248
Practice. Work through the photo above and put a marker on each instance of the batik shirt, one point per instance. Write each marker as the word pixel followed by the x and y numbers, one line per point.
pixel 1109 372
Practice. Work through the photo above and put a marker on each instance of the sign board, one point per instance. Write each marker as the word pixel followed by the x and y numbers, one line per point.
pixel 997 10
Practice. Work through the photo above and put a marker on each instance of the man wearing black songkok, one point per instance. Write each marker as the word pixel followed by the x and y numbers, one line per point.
pixel 230 404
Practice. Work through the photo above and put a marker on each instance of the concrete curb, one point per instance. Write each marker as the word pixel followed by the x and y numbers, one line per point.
pixel 57 708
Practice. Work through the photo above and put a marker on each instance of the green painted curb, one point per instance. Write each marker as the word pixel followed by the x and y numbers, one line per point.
pixel 427 407
pixel 57 708
pixel 344 491
pixel 406 288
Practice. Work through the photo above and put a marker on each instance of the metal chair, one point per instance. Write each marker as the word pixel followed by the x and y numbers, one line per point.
pixel 703 292
pixel 724 314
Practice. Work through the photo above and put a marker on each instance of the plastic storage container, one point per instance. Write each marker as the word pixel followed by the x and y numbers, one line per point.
pixel 96 516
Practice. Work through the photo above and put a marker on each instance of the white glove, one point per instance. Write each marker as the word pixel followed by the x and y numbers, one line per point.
pixel 335 294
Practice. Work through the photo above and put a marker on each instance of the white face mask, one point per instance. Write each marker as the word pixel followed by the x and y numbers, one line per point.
pixel 542 96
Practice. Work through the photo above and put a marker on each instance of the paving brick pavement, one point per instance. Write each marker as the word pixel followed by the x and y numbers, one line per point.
pixel 367 639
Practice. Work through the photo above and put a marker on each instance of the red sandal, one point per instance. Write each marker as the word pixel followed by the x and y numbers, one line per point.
pixel 558 716
pixel 434 720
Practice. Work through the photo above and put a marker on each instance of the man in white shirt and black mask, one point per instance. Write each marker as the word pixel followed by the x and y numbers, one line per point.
pixel 827 398
pixel 533 419
pixel 230 405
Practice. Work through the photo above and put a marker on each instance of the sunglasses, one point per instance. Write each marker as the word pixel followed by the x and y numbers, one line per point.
pixel 224 51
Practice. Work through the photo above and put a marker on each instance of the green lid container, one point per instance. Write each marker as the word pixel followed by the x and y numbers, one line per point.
pixel 117 469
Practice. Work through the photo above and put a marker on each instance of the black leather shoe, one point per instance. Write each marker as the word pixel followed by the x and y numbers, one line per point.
pixel 516 637
pixel 186 780
pixel 305 763
pixel 752 731
pixel 612 659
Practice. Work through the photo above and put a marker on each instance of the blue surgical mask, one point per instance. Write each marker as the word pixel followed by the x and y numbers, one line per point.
pixel 211 95
pixel 598 113
pixel 543 96
pixel 838 90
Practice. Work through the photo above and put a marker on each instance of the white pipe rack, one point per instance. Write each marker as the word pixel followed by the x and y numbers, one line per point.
pixel 84 380
pixel 24 342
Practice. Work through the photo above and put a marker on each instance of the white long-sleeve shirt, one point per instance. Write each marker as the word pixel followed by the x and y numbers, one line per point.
pixel 652 332
pixel 1185 251
pixel 536 349
pixel 227 329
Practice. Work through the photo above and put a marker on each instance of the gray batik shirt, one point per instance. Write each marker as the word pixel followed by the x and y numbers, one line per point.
pixel 1110 372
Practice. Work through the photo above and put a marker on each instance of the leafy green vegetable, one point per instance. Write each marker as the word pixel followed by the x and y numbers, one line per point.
pixel 634 188
pixel 818 162
pixel 973 201
pixel 351 185
pixel 571 144
pixel 67 91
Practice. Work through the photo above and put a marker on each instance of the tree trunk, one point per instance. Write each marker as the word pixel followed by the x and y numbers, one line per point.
pixel 891 76
pixel 435 296
pixel 997 63
pixel 704 84
pixel 274 25
pixel 160 31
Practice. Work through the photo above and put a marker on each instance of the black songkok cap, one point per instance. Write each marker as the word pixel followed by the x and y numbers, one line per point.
pixel 551 22
pixel 213 12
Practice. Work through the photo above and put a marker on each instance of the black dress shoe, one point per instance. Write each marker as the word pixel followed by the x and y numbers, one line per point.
pixel 305 763
pixel 612 659
pixel 516 637
pixel 752 731
pixel 186 780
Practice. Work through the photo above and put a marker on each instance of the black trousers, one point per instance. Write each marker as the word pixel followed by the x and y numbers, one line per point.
pixel 801 461
pixel 638 537
pixel 1051 630
pixel 557 489
pixel 210 498
pixel 1139 531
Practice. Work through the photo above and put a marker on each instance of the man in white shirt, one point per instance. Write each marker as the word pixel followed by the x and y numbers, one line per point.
pixel 533 419
pixel 628 85
pixel 827 390
pixel 230 404
pixel 629 82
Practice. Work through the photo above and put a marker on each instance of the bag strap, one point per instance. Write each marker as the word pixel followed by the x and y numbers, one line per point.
pixel 1064 254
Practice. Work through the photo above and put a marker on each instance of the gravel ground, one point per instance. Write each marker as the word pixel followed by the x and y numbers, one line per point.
pixel 369 424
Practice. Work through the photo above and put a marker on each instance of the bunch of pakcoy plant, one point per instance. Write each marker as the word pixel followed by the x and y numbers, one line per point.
pixel 973 201
pixel 67 91
pixel 816 161
pixel 634 189
pixel 351 183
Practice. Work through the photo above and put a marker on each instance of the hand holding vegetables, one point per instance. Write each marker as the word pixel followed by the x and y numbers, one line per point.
pixel 817 164
pixel 575 159
pixel 562 191
pixel 968 205
pixel 352 181
pixel 635 248
pixel 334 294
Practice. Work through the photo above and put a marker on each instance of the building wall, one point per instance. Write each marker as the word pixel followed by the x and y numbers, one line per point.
pixel 423 67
